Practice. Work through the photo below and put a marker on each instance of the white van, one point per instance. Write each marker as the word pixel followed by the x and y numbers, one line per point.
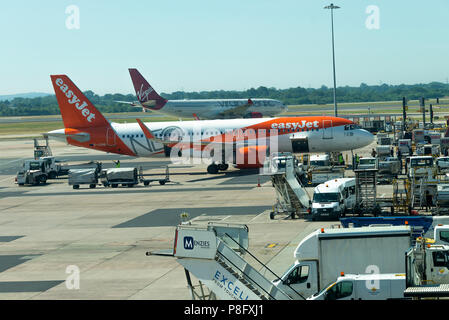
pixel 364 287
pixel 333 198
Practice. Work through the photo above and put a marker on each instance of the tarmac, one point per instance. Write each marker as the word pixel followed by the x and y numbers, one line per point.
pixel 51 235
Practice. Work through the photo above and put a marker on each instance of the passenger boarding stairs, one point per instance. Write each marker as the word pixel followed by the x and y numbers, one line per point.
pixel 214 253
pixel 285 173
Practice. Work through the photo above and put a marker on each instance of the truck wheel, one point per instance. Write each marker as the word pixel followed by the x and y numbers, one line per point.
pixel 92 186
pixel 75 186
pixel 146 183
pixel 43 179
pixel 52 175
pixel 271 215
pixel 162 182
pixel 130 185
pixel 20 184
pixel 114 185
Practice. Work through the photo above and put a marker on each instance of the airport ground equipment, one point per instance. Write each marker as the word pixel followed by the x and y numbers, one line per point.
pixel 33 172
pixel 366 192
pixel 432 227
pixel 383 151
pixel 427 270
pixel 214 254
pixel 78 177
pixel 56 168
pixel 324 254
pixel 324 167
pixel 162 181
pixel 115 176
pixel 442 199
pixel 287 178
pixel 364 287
pixel 368 163
pixel 384 140
pixel 444 145
pixel 428 150
pixel 401 202
pixel 41 150
pixel 389 169
pixel 405 146
pixel 333 199
pixel 442 165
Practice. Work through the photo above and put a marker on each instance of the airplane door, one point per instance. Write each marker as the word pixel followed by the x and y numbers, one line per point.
pixel 300 145
pixel 327 129
pixel 110 137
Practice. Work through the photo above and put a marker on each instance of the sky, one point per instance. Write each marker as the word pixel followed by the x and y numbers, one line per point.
pixel 202 45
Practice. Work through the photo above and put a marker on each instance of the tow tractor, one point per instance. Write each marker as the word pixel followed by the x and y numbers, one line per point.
pixel 33 172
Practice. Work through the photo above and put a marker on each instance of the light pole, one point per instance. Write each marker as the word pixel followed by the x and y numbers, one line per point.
pixel 332 7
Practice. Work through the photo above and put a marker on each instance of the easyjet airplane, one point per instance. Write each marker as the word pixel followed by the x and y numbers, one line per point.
pixel 148 98
pixel 86 127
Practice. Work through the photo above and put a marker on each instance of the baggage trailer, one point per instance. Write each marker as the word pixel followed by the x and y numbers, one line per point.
pixel 115 176
pixel 78 177
pixel 161 181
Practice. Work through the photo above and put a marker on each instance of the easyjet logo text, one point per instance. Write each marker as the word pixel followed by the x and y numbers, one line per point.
pixel 73 99
pixel 295 125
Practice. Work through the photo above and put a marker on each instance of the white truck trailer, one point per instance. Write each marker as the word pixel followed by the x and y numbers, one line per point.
pixel 325 253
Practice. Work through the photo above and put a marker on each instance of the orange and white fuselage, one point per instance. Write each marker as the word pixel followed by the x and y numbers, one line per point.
pixel 86 127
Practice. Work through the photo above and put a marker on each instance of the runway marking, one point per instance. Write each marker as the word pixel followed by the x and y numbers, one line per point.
pixel 12 178
pixel 256 217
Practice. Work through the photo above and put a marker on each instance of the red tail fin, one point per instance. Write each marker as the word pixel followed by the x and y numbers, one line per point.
pixel 76 110
pixel 146 95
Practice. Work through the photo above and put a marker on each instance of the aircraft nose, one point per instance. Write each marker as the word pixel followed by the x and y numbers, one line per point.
pixel 364 137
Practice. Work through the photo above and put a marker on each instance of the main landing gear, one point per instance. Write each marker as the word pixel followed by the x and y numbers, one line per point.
pixel 214 168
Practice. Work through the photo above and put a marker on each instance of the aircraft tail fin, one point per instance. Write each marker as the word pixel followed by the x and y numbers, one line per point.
pixel 145 93
pixel 76 109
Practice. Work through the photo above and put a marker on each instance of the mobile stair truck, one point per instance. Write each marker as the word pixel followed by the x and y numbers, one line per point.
pixel 214 255
pixel 287 177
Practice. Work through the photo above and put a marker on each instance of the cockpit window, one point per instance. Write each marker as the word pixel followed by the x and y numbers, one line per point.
pixel 352 127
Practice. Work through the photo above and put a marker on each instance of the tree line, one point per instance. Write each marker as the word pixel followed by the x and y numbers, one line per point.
pixel 47 105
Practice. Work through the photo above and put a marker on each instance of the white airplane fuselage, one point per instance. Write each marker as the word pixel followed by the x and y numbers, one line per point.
pixel 220 108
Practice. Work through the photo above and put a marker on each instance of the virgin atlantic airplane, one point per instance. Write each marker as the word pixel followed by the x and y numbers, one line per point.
pixel 242 142
pixel 148 98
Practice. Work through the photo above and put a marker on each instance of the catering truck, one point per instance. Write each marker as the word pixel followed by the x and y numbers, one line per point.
pixel 325 253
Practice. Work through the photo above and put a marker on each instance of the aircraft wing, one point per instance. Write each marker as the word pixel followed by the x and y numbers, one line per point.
pixel 136 104
pixel 238 111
